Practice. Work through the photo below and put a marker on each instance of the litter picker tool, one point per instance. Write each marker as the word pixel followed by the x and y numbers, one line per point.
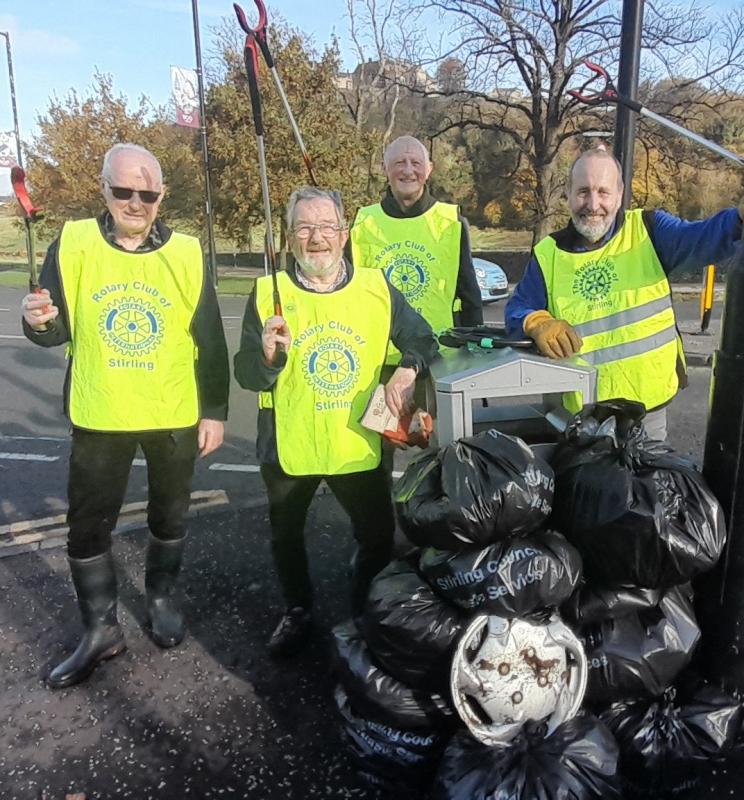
pixel 256 40
pixel 486 337
pixel 31 215
pixel 609 94
pixel 250 54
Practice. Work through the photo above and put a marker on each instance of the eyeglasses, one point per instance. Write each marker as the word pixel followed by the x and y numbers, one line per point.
pixel 327 231
pixel 147 196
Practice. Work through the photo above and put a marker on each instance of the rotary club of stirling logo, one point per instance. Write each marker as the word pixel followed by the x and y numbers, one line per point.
pixel 594 280
pixel 331 367
pixel 409 276
pixel 131 326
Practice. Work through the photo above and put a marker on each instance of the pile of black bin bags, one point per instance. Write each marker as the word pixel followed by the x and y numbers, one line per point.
pixel 499 531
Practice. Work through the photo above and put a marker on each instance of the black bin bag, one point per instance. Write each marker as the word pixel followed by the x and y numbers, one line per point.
pixel 639 514
pixel 523 576
pixel 595 604
pixel 410 630
pixel 577 762
pixel 379 696
pixel 475 491
pixel 642 653
pixel 668 744
pixel 396 760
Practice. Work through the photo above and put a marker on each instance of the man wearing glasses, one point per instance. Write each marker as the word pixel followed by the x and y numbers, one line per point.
pixel 148 366
pixel 335 328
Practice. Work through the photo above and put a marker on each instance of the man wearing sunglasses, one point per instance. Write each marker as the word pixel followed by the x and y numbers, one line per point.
pixel 336 325
pixel 148 367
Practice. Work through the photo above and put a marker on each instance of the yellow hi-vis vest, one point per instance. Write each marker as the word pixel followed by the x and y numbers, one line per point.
pixel 133 355
pixel 339 340
pixel 618 299
pixel 420 256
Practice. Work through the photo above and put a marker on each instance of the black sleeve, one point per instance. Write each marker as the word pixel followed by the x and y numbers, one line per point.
pixel 212 366
pixel 251 370
pixel 411 334
pixel 56 332
pixel 467 289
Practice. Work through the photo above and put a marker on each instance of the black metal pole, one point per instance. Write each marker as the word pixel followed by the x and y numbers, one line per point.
pixel 719 595
pixel 627 84
pixel 205 145
pixel 19 156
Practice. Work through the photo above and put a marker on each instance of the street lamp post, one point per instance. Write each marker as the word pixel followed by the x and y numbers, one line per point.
pixel 16 128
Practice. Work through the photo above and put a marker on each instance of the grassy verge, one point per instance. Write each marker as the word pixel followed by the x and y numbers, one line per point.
pixel 14 278
pixel 227 286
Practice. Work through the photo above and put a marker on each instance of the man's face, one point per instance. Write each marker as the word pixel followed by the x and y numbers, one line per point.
pixel 595 196
pixel 407 168
pixel 316 242
pixel 129 169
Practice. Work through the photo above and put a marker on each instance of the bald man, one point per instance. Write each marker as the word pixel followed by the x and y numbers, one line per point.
pixel 422 245
pixel 148 368
pixel 599 288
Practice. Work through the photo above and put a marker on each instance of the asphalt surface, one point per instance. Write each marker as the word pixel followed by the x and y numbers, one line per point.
pixel 214 717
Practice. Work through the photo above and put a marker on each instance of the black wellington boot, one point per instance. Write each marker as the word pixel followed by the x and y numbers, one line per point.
pixel 167 627
pixel 95 583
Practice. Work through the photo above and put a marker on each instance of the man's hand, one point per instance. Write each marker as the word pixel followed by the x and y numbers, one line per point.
pixel 210 434
pixel 275 332
pixel 38 309
pixel 399 390
pixel 554 337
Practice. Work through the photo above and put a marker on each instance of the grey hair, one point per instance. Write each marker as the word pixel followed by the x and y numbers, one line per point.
pixel 118 148
pixel 596 152
pixel 314 193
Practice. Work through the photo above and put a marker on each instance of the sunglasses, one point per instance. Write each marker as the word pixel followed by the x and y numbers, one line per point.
pixel 147 196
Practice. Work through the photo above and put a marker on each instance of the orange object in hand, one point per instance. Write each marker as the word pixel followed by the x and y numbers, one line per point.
pixel 413 429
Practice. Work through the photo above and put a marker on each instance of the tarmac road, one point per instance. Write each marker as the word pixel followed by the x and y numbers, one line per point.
pixel 213 718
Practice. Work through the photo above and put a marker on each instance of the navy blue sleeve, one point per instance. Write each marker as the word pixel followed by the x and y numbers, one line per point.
pixel 529 295
pixel 681 244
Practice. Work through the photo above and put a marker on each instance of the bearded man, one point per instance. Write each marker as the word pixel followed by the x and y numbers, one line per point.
pixel 599 288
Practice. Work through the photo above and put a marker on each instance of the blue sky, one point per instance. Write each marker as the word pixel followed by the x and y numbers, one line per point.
pixel 57 46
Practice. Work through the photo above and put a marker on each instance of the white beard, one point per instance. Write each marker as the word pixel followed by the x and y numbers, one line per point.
pixel 592 231
pixel 319 267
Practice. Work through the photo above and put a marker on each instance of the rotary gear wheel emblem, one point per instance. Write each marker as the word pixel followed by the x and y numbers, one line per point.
pixel 594 280
pixel 131 326
pixel 331 367
pixel 409 276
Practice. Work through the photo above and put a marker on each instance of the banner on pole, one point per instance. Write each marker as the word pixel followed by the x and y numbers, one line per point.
pixel 185 88
pixel 8 155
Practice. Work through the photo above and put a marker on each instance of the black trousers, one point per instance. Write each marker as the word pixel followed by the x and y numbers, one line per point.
pixel 99 471
pixel 365 496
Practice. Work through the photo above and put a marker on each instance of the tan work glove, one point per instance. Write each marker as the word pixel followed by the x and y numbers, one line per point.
pixel 553 337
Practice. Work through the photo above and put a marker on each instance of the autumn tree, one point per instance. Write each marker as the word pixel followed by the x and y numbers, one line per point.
pixel 341 153
pixel 522 56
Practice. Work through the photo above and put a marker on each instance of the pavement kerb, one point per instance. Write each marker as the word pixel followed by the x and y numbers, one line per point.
pixel 44 533
pixel 28 536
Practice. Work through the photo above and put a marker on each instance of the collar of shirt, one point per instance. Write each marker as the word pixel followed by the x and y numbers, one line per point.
pixel 340 278
pixel 153 240
pixel 392 208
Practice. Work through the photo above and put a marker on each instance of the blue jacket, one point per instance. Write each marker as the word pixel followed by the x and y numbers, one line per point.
pixel 678 243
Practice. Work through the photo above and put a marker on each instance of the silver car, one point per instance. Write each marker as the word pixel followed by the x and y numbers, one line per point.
pixel 491 280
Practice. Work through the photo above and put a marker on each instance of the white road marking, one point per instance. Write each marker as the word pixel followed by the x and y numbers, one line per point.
pixel 11 336
pixel 26 457
pixel 232 318
pixel 36 438
pixel 234 467
pixel 254 468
